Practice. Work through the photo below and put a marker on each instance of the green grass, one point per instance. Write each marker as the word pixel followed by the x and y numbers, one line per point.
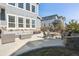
pixel 51 51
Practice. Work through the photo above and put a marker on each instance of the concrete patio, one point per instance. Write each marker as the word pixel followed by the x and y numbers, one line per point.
pixel 9 48
pixel 39 44
pixel 20 46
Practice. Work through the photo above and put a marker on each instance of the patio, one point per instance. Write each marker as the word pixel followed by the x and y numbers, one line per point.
pixel 31 45
pixel 9 48
pixel 20 46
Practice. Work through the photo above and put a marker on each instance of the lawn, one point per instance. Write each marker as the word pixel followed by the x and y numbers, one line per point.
pixel 52 51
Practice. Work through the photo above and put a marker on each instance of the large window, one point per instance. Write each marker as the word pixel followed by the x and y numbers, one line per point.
pixel 2 14
pixel 33 23
pixel 28 23
pixel 20 22
pixel 11 21
pixel 33 8
pixel 20 5
pixel 12 4
pixel 28 6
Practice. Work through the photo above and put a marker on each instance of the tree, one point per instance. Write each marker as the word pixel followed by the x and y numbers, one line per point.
pixel 58 25
pixel 73 26
pixel 51 27
pixel 44 29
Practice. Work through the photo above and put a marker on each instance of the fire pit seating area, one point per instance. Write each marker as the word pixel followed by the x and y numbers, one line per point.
pixel 10 36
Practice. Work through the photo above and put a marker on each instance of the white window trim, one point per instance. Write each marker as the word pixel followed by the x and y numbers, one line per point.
pixel 20 23
pixel 31 7
pixel 34 24
pixel 35 8
pixel 24 22
pixel 24 7
pixel 29 23
pixel 8 21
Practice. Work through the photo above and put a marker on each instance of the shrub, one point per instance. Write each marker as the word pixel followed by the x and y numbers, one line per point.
pixel 73 26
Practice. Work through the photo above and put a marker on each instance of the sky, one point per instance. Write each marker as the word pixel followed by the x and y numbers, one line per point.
pixel 68 10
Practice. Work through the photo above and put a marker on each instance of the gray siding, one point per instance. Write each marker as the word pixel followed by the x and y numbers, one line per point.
pixel 18 12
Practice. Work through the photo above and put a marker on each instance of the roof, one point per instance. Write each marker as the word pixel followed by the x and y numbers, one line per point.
pixel 52 17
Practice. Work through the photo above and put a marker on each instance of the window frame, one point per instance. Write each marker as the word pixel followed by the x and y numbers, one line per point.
pixel 11 22
pixel 26 7
pixel 33 24
pixel 21 23
pixel 33 10
pixel 2 16
pixel 27 24
pixel 22 5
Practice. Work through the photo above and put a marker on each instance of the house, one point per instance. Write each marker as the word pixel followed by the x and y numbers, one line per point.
pixel 48 20
pixel 19 17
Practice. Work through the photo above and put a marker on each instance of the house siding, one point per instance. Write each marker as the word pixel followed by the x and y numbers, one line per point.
pixel 18 12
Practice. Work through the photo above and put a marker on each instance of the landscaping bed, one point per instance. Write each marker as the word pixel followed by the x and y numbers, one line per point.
pixel 52 51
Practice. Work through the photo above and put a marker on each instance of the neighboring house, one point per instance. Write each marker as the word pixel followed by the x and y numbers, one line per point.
pixel 19 16
pixel 48 20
